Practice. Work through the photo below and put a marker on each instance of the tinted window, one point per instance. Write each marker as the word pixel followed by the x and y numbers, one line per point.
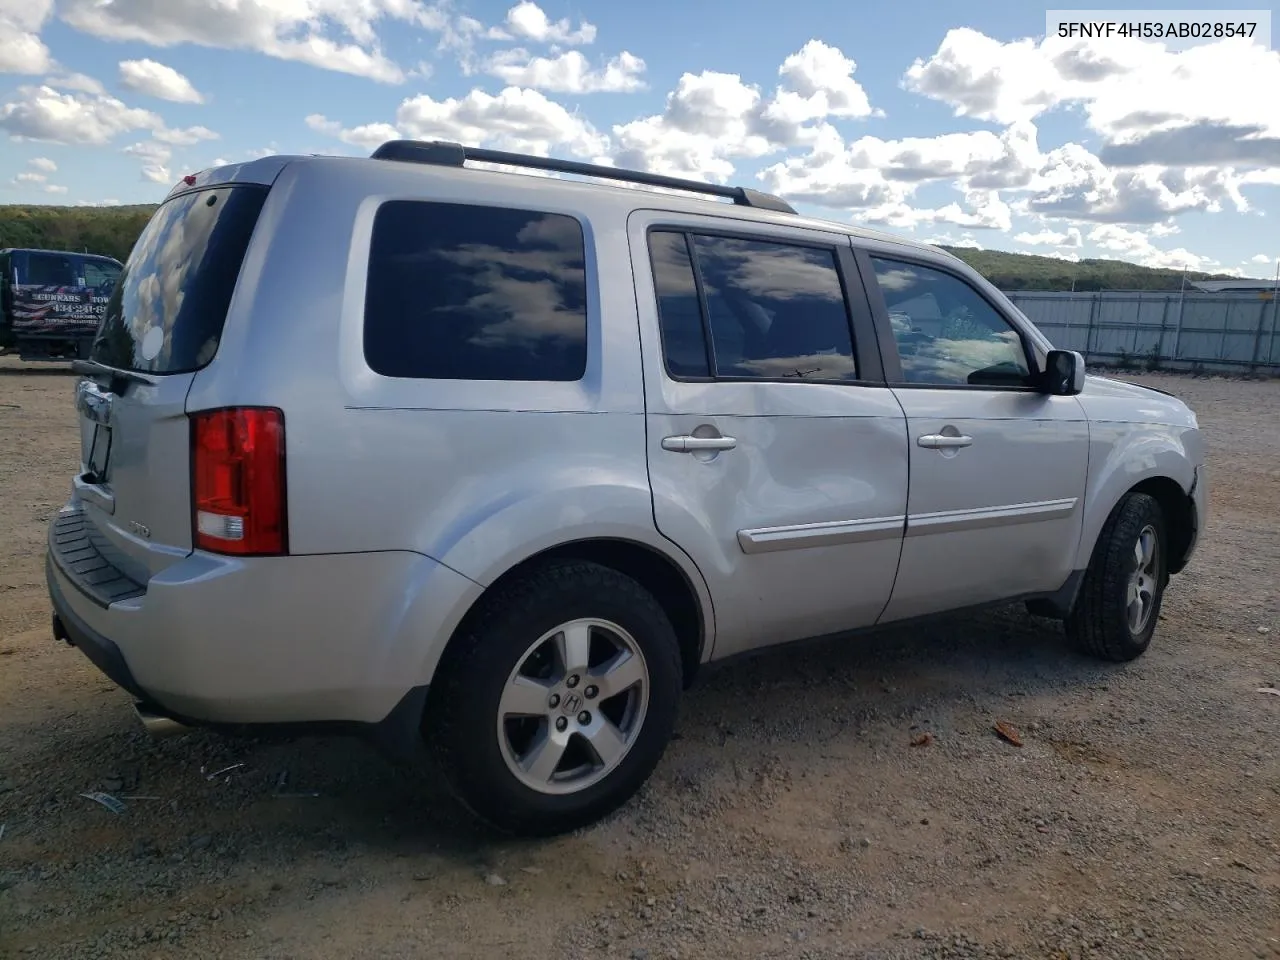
pixel 776 310
pixel 465 292
pixel 50 270
pixel 684 343
pixel 97 274
pixel 178 282
pixel 947 333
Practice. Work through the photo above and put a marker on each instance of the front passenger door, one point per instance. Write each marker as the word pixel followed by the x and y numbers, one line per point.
pixel 997 468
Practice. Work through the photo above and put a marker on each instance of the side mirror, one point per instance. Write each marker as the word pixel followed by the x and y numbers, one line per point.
pixel 1063 373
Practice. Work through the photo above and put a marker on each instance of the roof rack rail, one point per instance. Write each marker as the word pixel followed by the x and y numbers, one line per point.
pixel 445 154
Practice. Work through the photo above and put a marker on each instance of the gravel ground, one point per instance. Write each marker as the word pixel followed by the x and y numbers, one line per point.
pixel 791 818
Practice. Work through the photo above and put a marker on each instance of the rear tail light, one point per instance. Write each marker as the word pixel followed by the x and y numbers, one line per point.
pixel 238 481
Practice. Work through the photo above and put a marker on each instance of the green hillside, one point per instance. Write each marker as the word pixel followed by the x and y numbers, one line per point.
pixel 1021 271
pixel 112 231
pixel 109 231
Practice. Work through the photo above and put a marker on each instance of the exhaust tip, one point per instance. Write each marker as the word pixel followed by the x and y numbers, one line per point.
pixel 156 724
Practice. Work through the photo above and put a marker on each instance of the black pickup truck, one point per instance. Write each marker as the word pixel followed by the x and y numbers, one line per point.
pixel 51 301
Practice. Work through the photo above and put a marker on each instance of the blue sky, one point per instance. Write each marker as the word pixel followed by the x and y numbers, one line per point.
pixel 932 119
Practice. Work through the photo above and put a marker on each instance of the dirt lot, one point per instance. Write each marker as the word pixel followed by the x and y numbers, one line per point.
pixel 792 817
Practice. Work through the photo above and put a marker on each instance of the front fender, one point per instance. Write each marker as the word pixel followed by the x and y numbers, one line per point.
pixel 1123 455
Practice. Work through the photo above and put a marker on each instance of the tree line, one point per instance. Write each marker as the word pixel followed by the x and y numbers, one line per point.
pixel 111 231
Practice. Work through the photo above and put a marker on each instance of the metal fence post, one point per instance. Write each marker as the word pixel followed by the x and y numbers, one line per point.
pixel 1177 332
pixel 1257 339
pixel 1275 318
pixel 1137 324
pixel 1088 336
pixel 1271 339
pixel 1164 323
pixel 1226 328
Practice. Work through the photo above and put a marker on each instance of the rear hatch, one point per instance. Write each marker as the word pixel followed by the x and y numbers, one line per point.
pixel 161 325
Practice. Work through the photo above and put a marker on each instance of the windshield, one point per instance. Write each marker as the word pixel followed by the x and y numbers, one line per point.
pixel 167 311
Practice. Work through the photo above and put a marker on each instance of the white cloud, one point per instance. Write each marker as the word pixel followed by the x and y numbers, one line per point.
pixel 1136 246
pixel 1149 104
pixel 817 82
pixel 713 118
pixel 75 81
pixel 516 119
pixel 157 80
pixel 42 113
pixel 54 188
pixel 528 21
pixel 1262 258
pixel 368 136
pixel 983 210
pixel 709 121
pixel 43 163
pixel 965 240
pixel 570 72
pixel 184 137
pixel 157 153
pixel 21 49
pixel 881 175
pixel 982 159
pixel 335 35
pixel 1076 184
pixel 150 151
pixel 1051 238
pixel 30 178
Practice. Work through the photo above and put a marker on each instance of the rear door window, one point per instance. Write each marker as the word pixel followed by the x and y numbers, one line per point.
pixel 470 292
pixel 50 270
pixel 167 311
pixel 774 310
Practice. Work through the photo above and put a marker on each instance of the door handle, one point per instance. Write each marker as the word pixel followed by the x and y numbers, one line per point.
pixel 687 444
pixel 941 441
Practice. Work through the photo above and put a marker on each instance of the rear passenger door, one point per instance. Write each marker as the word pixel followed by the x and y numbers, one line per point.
pixel 777 455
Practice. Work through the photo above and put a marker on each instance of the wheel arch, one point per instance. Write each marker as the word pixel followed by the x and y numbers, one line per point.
pixel 1176 504
pixel 685 602
pixel 1145 458
pixel 1179 512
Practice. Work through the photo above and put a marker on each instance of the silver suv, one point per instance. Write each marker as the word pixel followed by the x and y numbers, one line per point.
pixel 489 463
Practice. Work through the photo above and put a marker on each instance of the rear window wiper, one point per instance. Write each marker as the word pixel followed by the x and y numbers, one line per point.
pixel 116 379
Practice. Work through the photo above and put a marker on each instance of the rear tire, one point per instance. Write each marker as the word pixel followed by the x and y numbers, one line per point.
pixel 556 702
pixel 1116 612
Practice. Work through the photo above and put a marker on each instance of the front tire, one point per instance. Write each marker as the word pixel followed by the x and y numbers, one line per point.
pixel 556 702
pixel 1119 604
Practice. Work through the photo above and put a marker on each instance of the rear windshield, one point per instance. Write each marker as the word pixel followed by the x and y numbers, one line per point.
pixel 166 313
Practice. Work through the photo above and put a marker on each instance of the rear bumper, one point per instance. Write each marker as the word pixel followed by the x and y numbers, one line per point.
pixel 299 640
pixel 70 628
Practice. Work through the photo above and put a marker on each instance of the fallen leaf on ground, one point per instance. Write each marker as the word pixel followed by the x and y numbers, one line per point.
pixel 1007 732
pixel 922 740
